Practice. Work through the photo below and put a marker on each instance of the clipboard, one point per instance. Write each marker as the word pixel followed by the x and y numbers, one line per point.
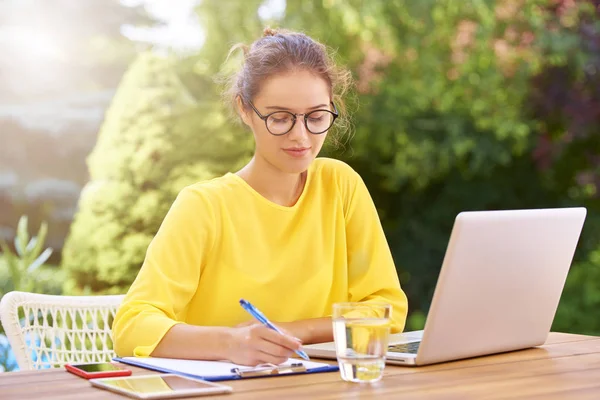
pixel 269 369
pixel 224 371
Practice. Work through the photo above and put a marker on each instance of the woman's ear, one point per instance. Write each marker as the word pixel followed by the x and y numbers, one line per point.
pixel 243 111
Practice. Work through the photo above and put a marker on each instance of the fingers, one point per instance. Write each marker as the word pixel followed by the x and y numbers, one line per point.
pixel 272 353
pixel 277 338
pixel 260 351
pixel 260 344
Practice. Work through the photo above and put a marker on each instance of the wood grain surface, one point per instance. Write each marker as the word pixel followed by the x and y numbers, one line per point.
pixel 567 366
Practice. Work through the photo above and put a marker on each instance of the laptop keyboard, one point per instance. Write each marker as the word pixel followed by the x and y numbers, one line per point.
pixel 410 348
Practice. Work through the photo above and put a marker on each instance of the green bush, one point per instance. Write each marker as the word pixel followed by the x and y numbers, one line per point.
pixel 158 137
pixel 48 279
pixel 22 265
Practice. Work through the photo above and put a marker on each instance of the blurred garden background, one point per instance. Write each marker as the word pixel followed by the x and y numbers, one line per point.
pixel 109 107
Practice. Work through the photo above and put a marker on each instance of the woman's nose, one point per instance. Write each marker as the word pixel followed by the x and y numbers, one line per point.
pixel 299 130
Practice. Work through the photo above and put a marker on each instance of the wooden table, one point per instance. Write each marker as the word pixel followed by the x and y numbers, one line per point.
pixel 566 367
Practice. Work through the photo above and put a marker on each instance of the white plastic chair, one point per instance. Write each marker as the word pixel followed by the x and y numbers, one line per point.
pixel 49 331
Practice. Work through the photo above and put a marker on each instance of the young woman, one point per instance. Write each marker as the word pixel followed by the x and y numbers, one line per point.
pixel 289 232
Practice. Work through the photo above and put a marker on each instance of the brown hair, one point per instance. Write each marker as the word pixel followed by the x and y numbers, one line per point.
pixel 280 51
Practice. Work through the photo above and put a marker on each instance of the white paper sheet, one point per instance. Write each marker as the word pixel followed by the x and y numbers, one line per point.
pixel 205 368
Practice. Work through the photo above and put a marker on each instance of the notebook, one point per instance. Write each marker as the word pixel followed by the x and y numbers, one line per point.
pixel 223 371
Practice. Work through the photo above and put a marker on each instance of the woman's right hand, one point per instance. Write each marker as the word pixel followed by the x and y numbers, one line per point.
pixel 256 344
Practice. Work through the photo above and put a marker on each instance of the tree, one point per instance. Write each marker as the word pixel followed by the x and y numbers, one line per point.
pixel 157 138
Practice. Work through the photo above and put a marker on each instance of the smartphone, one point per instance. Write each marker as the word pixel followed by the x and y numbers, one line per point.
pixel 160 386
pixel 97 370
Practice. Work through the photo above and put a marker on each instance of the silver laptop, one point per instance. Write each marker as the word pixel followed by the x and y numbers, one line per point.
pixel 498 289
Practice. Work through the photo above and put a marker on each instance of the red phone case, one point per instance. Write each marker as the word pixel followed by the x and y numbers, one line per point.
pixel 93 375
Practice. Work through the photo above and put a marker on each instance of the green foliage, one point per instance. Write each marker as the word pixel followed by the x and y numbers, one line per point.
pixel 159 136
pixel 565 99
pixel 580 301
pixel 48 279
pixel 435 95
pixel 23 266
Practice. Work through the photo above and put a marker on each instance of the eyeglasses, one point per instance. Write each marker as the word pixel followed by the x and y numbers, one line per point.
pixel 279 123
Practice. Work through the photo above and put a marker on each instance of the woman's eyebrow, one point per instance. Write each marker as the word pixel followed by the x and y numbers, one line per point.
pixel 289 109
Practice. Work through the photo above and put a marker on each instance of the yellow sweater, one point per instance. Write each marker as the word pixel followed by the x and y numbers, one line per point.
pixel 222 241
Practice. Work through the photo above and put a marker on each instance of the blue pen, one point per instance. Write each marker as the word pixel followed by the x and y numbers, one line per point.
pixel 263 320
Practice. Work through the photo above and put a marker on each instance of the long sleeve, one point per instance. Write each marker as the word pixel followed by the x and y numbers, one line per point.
pixel 372 274
pixel 168 279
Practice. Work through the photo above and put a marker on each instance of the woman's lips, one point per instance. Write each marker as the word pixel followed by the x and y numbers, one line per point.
pixel 297 152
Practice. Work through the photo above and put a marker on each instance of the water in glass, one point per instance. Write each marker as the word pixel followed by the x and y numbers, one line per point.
pixel 361 342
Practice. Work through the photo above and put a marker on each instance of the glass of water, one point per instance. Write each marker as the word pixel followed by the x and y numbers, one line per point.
pixel 361 332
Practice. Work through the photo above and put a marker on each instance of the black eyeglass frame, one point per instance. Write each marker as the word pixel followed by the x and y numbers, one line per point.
pixel 295 117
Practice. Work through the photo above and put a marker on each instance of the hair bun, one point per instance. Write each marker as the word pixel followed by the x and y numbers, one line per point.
pixel 269 32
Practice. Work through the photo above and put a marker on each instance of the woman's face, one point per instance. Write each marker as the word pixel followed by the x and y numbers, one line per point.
pixel 298 92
